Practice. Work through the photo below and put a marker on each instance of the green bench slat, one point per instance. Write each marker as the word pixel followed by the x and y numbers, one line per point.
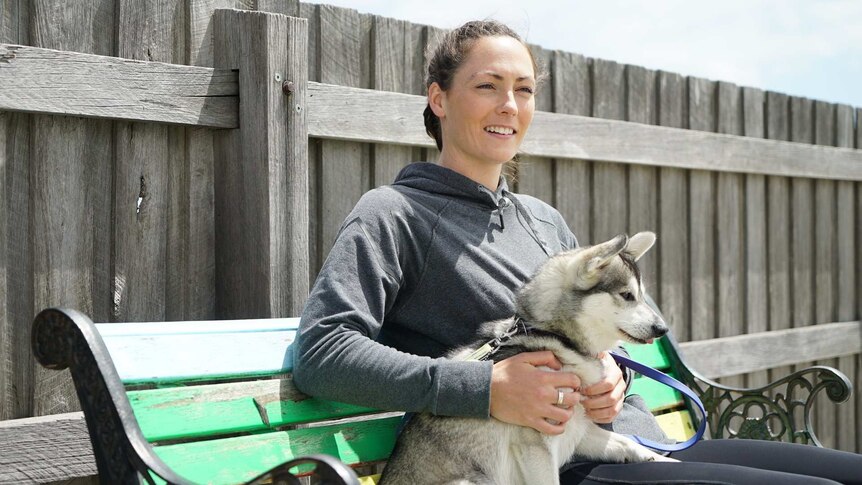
pixel 210 410
pixel 653 355
pixel 658 397
pixel 234 460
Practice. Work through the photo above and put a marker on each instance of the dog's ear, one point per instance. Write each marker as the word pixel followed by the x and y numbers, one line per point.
pixel 639 244
pixel 596 258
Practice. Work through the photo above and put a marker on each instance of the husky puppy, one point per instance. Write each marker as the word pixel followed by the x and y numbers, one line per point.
pixel 579 303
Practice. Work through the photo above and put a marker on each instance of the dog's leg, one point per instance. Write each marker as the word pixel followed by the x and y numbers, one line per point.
pixel 603 445
pixel 533 463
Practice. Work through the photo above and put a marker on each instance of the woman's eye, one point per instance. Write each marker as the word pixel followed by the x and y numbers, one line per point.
pixel 485 86
pixel 527 90
pixel 627 296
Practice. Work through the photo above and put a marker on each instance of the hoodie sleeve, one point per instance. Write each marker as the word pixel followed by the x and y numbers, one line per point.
pixel 336 355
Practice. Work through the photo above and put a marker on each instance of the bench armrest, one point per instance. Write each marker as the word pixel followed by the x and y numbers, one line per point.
pixel 778 411
pixel 63 339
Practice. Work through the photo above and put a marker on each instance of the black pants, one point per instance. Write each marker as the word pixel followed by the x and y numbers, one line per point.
pixel 732 461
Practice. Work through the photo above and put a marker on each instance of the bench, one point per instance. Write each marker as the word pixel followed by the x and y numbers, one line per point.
pixel 213 402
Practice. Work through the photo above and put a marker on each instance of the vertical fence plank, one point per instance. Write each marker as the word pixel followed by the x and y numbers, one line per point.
pixel 392 43
pixel 150 184
pixel 702 116
pixel 70 213
pixel 858 294
pixel 802 222
pixel 730 226
pixel 846 277
pixel 344 169
pixel 16 274
pixel 755 258
pixel 311 12
pixel 825 269
pixel 262 265
pixel 610 201
pixel 7 332
pixel 197 268
pixel 643 180
pixel 571 88
pixel 779 235
pixel 674 251
pixel 535 175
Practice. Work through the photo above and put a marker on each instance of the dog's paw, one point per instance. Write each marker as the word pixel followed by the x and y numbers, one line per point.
pixel 664 459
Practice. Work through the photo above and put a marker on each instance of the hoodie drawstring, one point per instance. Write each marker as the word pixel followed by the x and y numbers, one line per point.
pixel 508 196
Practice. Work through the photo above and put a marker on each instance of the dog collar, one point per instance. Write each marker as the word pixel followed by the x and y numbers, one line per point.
pixel 492 346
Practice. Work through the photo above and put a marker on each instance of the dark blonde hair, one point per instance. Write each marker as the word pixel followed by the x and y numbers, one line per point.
pixel 449 54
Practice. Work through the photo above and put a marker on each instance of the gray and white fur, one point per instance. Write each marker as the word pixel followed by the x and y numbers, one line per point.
pixel 579 303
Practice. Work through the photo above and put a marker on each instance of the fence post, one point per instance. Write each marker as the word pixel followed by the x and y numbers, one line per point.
pixel 261 168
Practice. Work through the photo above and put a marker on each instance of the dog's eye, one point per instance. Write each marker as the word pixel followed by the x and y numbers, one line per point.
pixel 627 296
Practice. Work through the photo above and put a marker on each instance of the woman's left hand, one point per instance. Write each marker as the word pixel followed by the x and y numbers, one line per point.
pixel 604 399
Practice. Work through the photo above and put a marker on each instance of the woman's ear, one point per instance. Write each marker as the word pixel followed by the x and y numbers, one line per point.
pixel 435 99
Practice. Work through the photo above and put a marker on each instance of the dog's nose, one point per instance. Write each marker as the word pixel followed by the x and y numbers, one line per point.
pixel 659 329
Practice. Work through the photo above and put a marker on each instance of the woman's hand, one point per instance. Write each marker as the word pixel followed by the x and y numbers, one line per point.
pixel 524 394
pixel 603 401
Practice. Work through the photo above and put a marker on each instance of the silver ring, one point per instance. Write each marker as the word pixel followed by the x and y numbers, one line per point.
pixel 560 396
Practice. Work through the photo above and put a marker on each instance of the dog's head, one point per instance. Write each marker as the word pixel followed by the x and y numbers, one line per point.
pixel 594 295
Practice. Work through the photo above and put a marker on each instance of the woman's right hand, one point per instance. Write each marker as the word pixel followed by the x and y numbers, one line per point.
pixel 524 394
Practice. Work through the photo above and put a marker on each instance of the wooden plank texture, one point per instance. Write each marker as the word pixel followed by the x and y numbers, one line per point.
pixel 825 272
pixel 261 221
pixel 643 209
pixel 756 240
pixel 47 449
pixel 239 459
pixel 845 210
pixel 71 83
pixel 673 244
pixel 730 356
pixel 150 183
pixel 702 235
pixel 610 188
pixel 339 113
pixel 220 409
pixel 393 51
pixel 858 287
pixel 572 195
pixel 344 170
pixel 535 175
pixel 16 275
pixel 16 285
pixel 779 224
pixel 71 214
pixel 730 227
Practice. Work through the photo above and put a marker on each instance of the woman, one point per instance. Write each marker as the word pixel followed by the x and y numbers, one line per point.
pixel 418 265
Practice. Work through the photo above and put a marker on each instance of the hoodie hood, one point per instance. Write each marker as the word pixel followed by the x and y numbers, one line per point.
pixel 436 179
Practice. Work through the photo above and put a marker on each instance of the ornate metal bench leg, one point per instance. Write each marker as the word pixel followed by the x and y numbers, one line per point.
pixel 329 470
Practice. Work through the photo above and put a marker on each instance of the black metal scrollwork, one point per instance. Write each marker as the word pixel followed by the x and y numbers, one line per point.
pixel 778 411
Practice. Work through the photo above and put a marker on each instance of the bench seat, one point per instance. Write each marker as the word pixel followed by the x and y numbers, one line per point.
pixel 213 401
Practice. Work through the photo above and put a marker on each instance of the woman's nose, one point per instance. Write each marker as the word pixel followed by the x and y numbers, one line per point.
pixel 508 105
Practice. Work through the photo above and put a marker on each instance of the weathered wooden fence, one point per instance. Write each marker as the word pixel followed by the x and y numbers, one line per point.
pixel 136 220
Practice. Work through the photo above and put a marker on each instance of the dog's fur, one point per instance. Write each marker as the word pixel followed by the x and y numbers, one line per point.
pixel 580 303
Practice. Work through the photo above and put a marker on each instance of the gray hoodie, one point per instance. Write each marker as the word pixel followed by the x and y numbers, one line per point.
pixel 415 268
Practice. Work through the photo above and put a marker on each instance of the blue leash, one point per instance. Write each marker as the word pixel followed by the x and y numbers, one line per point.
pixel 671 382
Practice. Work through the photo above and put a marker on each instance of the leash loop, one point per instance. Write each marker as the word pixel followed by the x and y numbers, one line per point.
pixel 669 381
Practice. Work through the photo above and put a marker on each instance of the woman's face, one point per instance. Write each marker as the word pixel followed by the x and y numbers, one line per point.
pixel 486 111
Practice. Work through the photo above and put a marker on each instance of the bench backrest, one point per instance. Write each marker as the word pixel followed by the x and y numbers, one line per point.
pixel 216 400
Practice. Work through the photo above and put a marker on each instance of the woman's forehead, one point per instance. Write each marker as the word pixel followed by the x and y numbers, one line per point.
pixel 499 57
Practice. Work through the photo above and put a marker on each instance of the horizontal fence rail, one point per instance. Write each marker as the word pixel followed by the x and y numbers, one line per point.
pixel 49 81
pixel 346 113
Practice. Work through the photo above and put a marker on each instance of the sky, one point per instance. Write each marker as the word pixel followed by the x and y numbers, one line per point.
pixel 808 48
